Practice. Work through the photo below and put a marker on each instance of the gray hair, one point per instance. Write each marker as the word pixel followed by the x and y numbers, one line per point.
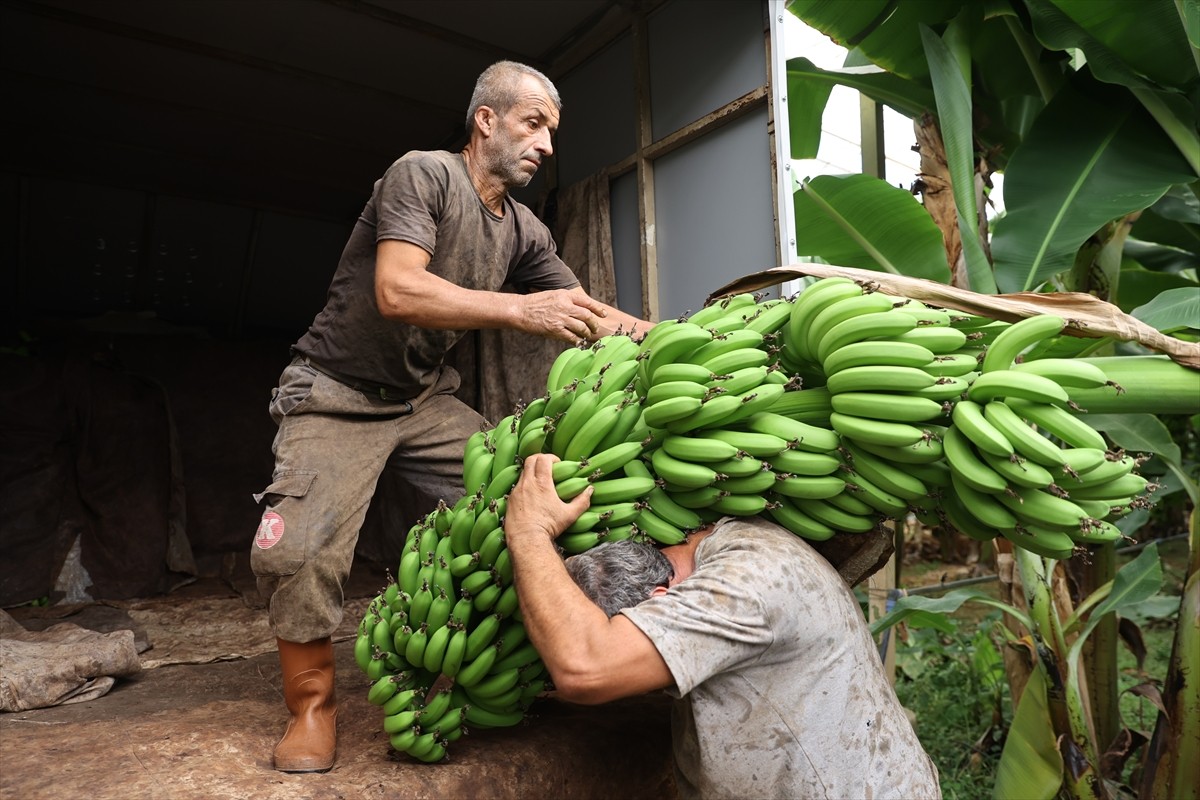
pixel 497 87
pixel 617 575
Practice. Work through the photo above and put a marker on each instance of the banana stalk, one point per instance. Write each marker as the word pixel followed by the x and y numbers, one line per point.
pixel 1151 384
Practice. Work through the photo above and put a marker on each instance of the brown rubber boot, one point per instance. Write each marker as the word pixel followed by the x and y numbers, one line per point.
pixel 310 742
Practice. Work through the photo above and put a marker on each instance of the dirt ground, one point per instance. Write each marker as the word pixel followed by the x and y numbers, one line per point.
pixel 201 718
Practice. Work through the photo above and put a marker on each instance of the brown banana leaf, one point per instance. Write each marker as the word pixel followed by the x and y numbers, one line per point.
pixel 1087 316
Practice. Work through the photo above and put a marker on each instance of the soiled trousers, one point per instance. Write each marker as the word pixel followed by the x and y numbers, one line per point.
pixel 332 445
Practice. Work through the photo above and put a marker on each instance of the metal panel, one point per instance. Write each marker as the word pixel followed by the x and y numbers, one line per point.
pixel 703 54
pixel 625 243
pixel 598 126
pixel 715 217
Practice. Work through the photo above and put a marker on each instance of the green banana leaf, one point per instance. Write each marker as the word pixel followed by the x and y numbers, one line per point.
pixel 919 611
pixel 908 97
pixel 950 70
pixel 1134 583
pixel 1030 765
pixel 1189 13
pixel 862 221
pixel 1091 157
pixel 1140 287
pixel 806 109
pixel 1137 44
pixel 885 30
pixel 1173 310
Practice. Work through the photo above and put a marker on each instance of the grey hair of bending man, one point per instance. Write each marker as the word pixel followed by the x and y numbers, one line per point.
pixel 496 87
pixel 617 575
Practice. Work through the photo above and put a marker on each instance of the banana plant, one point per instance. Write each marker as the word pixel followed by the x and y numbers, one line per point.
pixel 1088 109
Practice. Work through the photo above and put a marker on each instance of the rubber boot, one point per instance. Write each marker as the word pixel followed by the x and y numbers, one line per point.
pixel 310 742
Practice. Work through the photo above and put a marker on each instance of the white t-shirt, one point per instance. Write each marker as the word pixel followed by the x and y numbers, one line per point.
pixel 779 686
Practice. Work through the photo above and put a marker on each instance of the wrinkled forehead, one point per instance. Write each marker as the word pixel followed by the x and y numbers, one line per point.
pixel 532 98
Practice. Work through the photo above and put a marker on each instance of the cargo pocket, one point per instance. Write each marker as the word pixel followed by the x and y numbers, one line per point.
pixel 281 541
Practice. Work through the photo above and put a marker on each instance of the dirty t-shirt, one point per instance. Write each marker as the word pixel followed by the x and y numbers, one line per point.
pixel 426 198
pixel 780 691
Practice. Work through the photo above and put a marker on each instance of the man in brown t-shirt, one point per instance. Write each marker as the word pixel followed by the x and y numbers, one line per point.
pixel 367 387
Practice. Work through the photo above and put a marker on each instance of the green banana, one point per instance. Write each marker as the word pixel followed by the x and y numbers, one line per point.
pixel 698 449
pixel 797 434
pixel 739 505
pixel 1044 542
pixel 886 407
pixel 486 522
pixel 712 412
pixel 946 389
pixel 962 520
pixel 456 649
pixel 1019 471
pixel 879 379
pixel 876 431
pixel 751 484
pixel 562 367
pixel 1021 385
pixel 850 502
pixel 879 324
pixel 669 410
pixel 927 451
pixel 435 648
pixel 739 381
pixel 1072 372
pixel 667 389
pixel 969 466
pixel 482 718
pixel 533 438
pixel 785 512
pixel 952 365
pixel 487 598
pixel 659 529
pixel 662 505
pixel 834 517
pixel 626 422
pixel 1025 440
pixel 808 487
pixel 733 341
pixel 414 649
pixel 477 668
pixel 840 311
pixel 940 341
pixel 362 650
pixel 877 353
pixel 1129 485
pixel 503 483
pixel 885 475
pixel 1039 507
pixel 619 490
pixel 615 348
pixel 1102 473
pixel 771 316
pixel 609 461
pixel 576 543
pixel 676 344
pixel 682 371
pixel 968 416
pixel 802 462
pixel 882 501
pixel 1060 423
pixel 812 301
pixel 1016 338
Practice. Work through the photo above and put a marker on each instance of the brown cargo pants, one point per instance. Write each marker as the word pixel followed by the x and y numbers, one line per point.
pixel 332 445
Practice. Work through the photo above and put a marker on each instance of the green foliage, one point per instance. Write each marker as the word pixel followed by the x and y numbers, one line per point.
pixel 953 682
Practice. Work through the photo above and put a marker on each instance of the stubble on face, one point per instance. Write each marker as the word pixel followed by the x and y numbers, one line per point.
pixel 511 152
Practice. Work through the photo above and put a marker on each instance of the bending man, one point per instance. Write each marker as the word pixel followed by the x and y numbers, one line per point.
pixel 779 688
pixel 367 387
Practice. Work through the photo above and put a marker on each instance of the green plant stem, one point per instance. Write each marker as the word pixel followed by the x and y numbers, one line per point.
pixel 1072 725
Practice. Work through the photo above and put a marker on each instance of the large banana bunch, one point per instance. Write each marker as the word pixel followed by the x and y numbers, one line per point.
pixel 828 412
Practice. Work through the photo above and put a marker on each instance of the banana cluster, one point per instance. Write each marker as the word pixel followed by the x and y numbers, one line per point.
pixel 828 412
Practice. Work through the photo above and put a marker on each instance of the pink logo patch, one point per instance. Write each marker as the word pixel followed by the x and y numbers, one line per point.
pixel 270 530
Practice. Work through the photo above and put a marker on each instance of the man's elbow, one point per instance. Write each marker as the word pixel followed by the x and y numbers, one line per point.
pixel 391 305
pixel 586 689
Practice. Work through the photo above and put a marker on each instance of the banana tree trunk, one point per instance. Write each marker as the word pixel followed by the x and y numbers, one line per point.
pixel 1172 768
